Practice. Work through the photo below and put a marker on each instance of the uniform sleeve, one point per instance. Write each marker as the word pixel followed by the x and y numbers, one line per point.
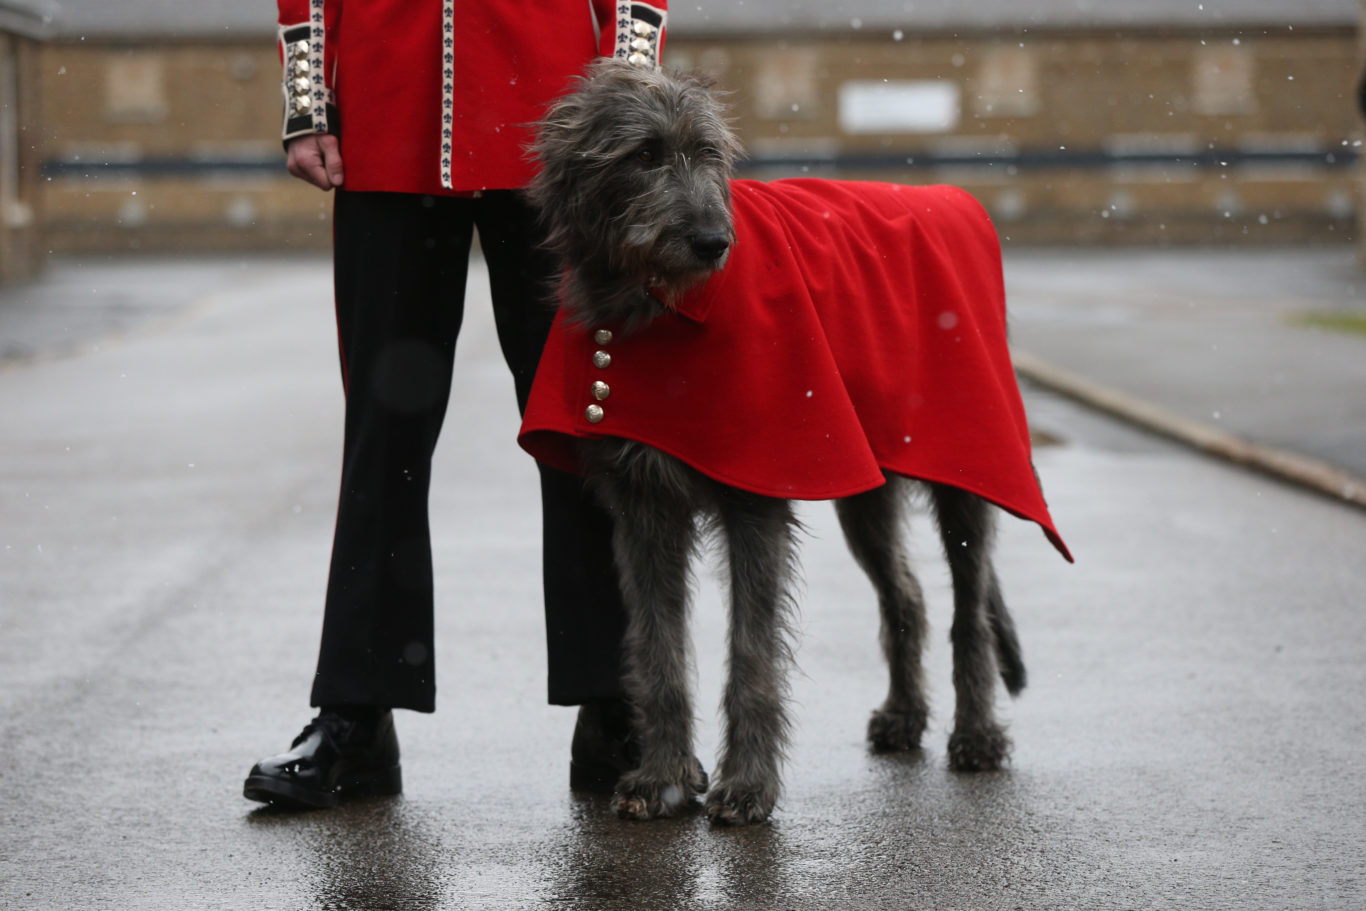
pixel 307 42
pixel 632 30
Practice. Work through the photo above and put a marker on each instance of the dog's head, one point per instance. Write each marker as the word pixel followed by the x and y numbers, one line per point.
pixel 635 166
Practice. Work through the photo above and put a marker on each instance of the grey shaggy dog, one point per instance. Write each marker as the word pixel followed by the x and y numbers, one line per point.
pixel 634 193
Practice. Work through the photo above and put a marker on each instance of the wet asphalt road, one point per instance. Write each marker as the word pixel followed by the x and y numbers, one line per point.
pixel 1225 338
pixel 1192 738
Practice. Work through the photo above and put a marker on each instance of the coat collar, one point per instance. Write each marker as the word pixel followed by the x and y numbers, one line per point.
pixel 696 305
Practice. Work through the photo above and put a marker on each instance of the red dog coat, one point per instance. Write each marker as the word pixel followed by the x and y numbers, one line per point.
pixel 856 328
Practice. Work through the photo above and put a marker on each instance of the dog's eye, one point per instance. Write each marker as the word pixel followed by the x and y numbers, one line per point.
pixel 646 155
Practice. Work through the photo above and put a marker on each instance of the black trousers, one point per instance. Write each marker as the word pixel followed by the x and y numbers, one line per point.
pixel 400 265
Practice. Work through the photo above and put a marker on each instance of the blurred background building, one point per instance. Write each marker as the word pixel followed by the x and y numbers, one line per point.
pixel 162 124
pixel 23 24
pixel 1163 121
pixel 1074 121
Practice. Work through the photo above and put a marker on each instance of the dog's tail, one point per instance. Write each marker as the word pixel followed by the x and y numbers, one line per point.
pixel 1009 658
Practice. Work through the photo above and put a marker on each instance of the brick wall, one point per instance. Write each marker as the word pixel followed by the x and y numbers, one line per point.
pixel 21 203
pixel 158 147
pixel 1151 137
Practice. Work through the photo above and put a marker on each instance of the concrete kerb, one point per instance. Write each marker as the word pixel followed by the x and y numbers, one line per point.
pixel 1292 467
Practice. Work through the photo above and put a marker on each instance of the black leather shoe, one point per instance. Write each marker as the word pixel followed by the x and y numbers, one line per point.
pixel 333 759
pixel 603 748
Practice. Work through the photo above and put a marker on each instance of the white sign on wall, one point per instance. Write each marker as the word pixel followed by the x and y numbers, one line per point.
pixel 920 106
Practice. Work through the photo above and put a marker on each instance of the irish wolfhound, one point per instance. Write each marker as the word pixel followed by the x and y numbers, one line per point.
pixel 637 194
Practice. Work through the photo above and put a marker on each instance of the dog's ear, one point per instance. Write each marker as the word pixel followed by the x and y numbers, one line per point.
pixel 716 107
pixel 569 137
pixel 556 150
pixel 553 132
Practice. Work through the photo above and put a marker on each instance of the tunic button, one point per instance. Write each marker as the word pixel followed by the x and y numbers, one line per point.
pixel 301 104
pixel 594 413
pixel 637 59
pixel 601 359
pixel 302 86
pixel 602 336
pixel 601 391
pixel 643 29
pixel 642 44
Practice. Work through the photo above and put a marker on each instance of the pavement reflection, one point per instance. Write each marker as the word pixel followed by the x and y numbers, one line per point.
pixel 1186 741
pixel 373 854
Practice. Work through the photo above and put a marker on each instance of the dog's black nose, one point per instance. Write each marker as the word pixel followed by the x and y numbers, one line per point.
pixel 710 245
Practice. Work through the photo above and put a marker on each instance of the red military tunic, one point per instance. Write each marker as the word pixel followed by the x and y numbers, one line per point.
pixel 439 96
pixel 856 328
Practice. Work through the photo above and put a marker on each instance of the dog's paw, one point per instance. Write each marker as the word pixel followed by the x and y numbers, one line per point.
pixel 890 731
pixel 740 806
pixel 641 797
pixel 978 749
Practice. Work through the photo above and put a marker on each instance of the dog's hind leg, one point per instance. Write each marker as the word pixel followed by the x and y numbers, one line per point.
pixel 874 529
pixel 760 534
pixel 1008 652
pixel 654 537
pixel 967 528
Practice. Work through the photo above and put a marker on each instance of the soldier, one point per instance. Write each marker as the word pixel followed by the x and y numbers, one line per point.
pixel 415 113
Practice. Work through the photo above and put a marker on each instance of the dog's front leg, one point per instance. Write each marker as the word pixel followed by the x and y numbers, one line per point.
pixel 760 534
pixel 653 542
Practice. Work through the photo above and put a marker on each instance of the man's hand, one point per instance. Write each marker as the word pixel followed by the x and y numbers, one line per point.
pixel 316 159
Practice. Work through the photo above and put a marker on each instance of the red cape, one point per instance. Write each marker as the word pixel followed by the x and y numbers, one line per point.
pixel 856 327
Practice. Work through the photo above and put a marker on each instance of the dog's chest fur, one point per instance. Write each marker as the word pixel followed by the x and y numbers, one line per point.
pixel 628 465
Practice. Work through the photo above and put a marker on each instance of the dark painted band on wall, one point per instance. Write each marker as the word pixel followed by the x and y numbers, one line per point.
pixel 1060 160
pixel 1032 160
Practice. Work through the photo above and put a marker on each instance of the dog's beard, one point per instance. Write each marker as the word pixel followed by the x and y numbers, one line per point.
pixel 665 263
pixel 671 290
